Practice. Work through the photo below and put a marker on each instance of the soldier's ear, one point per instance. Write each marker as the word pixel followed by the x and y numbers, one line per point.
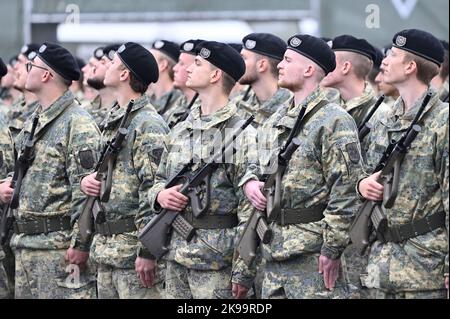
pixel 346 67
pixel 216 75
pixel 124 75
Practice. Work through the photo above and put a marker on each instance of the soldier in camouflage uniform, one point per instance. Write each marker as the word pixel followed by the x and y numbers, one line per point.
pixel 50 194
pixel 318 198
pixel 413 264
pixel 6 166
pixel 105 99
pixel 29 102
pixel 164 96
pixel 201 268
pixel 115 246
pixel 440 81
pixel 262 52
pixel 189 99
pixel 354 61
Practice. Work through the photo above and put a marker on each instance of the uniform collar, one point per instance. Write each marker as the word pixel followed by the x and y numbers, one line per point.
pixel 367 96
pixel 199 122
pixel 117 112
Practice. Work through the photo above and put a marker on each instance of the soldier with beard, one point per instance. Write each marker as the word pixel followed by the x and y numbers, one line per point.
pixel 262 52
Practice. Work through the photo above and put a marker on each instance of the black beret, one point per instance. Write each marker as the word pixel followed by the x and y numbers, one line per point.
pixel 80 62
pixel 379 56
pixel 266 44
pixel 60 60
pixel 171 49
pixel 3 68
pixel 352 44
pixel 140 62
pixel 237 46
pixel 224 57
pixel 314 49
pixel 444 44
pixel 420 43
pixel 190 46
pixel 29 48
pixel 109 51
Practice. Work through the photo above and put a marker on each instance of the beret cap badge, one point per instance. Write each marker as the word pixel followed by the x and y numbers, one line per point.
pixel 250 44
pixel 400 41
pixel 158 45
pixel 295 42
pixel 111 54
pixel 188 46
pixel 24 49
pixel 42 48
pixel 205 53
pixel 122 48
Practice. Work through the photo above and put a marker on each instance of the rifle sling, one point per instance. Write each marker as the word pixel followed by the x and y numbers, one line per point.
pixel 300 216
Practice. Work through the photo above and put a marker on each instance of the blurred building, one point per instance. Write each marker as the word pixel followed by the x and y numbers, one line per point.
pixel 84 24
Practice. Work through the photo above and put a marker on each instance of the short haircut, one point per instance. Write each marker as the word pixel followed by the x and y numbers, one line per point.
pixel 426 70
pixel 361 64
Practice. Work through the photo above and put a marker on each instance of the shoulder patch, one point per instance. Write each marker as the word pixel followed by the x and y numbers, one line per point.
pixel 353 152
pixel 87 159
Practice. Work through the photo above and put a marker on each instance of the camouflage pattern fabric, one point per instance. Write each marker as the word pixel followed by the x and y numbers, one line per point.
pixel 16 125
pixel 116 283
pixel 173 116
pixel 323 170
pixel 211 249
pixel 43 274
pixel 419 263
pixel 262 111
pixel 166 103
pixel 186 283
pixel 443 91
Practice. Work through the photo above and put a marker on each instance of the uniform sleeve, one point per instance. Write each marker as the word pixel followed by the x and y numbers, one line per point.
pixel 342 166
pixel 6 152
pixel 247 158
pixel 81 161
pixel 81 158
pixel 148 148
pixel 442 162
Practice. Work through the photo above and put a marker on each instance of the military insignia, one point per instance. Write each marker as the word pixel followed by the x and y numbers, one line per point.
pixel 42 48
pixel 122 48
pixel 1 159
pixel 188 47
pixel 205 53
pixel 111 54
pixel 330 44
pixel 156 155
pixel 295 42
pixel 353 152
pixel 99 53
pixel 250 44
pixel 400 41
pixel 87 159
pixel 158 45
pixel 32 55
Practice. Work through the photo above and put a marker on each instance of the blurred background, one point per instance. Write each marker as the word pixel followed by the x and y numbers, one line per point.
pixel 83 25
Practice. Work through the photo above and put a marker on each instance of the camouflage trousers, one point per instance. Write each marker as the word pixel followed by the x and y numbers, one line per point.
pixel 5 292
pixel 299 278
pixel 116 283
pixel 431 294
pixel 185 283
pixel 44 274
pixel 353 265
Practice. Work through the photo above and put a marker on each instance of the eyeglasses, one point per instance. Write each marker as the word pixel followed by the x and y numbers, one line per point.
pixel 30 65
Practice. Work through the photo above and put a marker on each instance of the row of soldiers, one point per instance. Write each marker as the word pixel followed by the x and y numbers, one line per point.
pixel 176 102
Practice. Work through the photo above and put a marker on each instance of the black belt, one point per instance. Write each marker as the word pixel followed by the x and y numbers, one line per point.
pixel 300 216
pixel 42 226
pixel 212 221
pixel 419 227
pixel 117 227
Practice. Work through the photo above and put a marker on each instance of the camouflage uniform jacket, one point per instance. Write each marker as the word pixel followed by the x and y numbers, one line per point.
pixel 418 263
pixel 133 176
pixel 443 92
pixel 16 124
pixel 210 249
pixel 51 187
pixel 166 102
pixel 98 111
pixel 263 111
pixel 321 172
pixel 174 115
pixel 6 149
